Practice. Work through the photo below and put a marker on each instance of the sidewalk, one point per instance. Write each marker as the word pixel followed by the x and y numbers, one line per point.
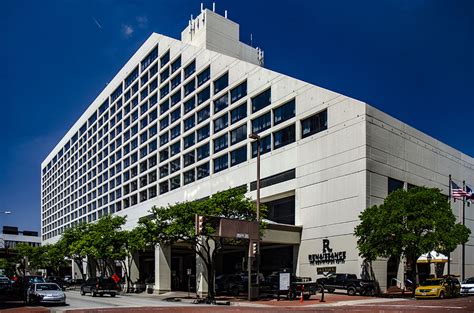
pixel 331 300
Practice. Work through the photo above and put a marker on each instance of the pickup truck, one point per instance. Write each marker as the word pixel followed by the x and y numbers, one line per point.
pixel 99 286
pixel 348 282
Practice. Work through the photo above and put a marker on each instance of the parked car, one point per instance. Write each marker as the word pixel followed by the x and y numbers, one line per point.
pixel 99 286
pixel 22 283
pixel 234 284
pixel 438 288
pixel 5 285
pixel 57 280
pixel 467 286
pixel 348 282
pixel 45 293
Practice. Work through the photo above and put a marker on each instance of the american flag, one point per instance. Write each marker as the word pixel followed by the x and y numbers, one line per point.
pixel 457 192
pixel 470 195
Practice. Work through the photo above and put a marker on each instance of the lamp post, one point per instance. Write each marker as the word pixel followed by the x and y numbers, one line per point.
pixel 256 138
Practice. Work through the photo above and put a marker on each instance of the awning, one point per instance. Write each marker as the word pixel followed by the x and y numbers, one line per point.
pixel 436 257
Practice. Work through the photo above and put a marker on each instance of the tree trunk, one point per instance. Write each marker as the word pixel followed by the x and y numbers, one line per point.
pixel 414 274
pixel 210 283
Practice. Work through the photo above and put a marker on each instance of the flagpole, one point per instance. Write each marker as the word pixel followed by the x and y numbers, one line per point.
pixel 449 254
pixel 463 223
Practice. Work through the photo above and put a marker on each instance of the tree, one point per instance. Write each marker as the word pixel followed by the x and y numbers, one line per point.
pixel 103 242
pixel 55 257
pixel 408 224
pixel 73 245
pixel 132 242
pixel 174 223
pixel 32 258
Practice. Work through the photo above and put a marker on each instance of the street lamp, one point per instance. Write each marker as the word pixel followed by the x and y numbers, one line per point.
pixel 6 212
pixel 256 138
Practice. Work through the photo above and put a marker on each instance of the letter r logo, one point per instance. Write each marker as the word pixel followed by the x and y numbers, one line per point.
pixel 326 248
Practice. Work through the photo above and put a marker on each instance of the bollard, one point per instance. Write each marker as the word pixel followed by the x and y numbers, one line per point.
pixel 322 295
pixel 302 293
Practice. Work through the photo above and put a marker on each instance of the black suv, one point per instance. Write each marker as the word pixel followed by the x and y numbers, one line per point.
pixel 99 286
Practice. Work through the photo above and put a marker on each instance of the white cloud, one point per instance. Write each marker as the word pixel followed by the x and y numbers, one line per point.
pixel 142 21
pixel 127 30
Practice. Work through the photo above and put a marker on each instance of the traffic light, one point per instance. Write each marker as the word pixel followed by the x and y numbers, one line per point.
pixel 199 224
pixel 254 249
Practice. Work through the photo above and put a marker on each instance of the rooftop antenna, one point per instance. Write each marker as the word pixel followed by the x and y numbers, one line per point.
pixel 225 13
pixel 202 6
pixel 251 40
pixel 213 7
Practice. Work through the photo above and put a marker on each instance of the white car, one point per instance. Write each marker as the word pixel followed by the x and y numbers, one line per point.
pixel 467 286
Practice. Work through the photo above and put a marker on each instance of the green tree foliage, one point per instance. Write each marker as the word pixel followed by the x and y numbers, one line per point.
pixel 408 224
pixel 132 242
pixel 31 258
pixel 55 257
pixel 73 246
pixel 174 223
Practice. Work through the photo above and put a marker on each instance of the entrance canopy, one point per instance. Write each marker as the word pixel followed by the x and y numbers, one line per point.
pixel 435 257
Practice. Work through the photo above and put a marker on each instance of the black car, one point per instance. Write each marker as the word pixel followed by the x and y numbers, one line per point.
pixel 5 285
pixel 57 280
pixel 99 286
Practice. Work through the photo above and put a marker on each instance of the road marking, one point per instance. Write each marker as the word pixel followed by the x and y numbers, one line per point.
pixel 415 306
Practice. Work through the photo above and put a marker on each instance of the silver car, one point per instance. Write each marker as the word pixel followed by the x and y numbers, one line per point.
pixel 45 293
pixel 467 286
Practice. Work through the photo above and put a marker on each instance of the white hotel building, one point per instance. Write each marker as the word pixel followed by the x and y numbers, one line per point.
pixel 173 125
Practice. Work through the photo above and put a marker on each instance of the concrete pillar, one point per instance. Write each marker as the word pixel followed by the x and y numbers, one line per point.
pixel 162 268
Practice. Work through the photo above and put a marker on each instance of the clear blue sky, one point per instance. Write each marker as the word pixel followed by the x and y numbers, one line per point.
pixel 412 59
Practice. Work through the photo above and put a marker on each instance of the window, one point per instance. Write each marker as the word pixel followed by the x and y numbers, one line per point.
pixel 164 171
pixel 189 158
pixel 238 134
pixel 175 148
pixel 175 81
pixel 203 152
pixel 262 123
pixel 284 112
pixel 117 92
pixel 238 156
pixel 282 210
pixel 221 163
pixel 176 64
pixel 189 122
pixel 238 113
pixel 203 133
pixel 261 100
pixel 175 131
pixel 189 87
pixel 164 155
pixel 265 146
pixel 153 115
pixel 190 69
pixel 188 141
pixel 143 137
pixel 164 90
pixel 154 70
pixel 189 176
pixel 164 139
pixel 165 122
pixel 220 143
pixel 394 184
pixel 221 83
pixel 203 76
pixel 221 103
pixel 103 107
pixel 274 179
pixel 202 170
pixel 238 92
pixel 164 187
pixel 203 95
pixel 284 137
pixel 203 114
pixel 144 79
pixel 176 97
pixel 189 105
pixel 164 106
pixel 314 124
pixel 164 74
pixel 175 115
pixel 149 58
pixel 153 85
pixel 220 123
pixel 174 166
pixel 165 58
pixel 131 77
pixel 175 182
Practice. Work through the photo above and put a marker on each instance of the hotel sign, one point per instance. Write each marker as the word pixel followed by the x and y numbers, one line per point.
pixel 328 256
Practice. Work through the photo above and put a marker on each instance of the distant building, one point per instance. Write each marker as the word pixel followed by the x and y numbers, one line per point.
pixel 11 236
pixel 173 125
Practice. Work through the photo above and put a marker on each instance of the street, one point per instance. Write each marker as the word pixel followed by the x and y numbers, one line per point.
pixel 179 303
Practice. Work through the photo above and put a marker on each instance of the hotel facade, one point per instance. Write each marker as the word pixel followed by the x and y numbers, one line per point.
pixel 173 126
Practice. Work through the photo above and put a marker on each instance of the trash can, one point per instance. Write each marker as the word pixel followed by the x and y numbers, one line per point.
pixel 254 293
pixel 149 288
